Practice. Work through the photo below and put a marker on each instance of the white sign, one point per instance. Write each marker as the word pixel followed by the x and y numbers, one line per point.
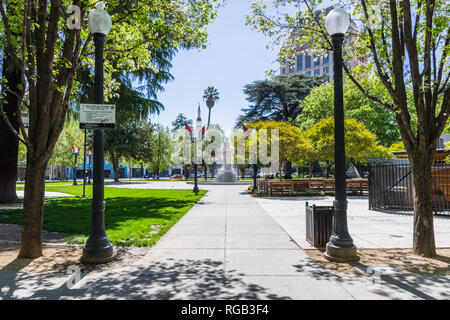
pixel 93 116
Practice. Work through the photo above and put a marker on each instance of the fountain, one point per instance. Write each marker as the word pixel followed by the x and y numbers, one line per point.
pixel 226 173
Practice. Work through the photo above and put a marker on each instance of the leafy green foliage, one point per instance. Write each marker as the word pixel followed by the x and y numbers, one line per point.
pixel 211 96
pixel 319 104
pixel 360 143
pixel 180 121
pixel 291 140
pixel 162 150
pixel 70 136
pixel 132 142
pixel 277 99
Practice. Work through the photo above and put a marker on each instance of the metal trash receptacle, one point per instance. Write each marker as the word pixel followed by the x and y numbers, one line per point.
pixel 319 224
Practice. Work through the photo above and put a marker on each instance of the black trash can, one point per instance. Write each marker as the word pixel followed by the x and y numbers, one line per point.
pixel 319 224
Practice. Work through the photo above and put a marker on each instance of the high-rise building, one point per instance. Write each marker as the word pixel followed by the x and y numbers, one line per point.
pixel 314 65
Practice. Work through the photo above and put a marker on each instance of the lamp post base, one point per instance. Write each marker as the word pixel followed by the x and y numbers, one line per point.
pixel 97 251
pixel 341 253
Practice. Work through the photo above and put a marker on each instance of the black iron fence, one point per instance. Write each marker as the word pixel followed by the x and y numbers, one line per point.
pixel 391 186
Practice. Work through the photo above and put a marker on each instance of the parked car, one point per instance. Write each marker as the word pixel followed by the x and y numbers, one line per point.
pixel 177 176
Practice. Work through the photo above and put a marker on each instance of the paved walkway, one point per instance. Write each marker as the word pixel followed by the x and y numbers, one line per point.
pixel 226 247
pixel 369 229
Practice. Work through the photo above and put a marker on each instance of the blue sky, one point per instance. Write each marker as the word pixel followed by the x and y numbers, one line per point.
pixel 236 56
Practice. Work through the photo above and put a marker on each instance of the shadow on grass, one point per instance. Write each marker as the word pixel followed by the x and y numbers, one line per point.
pixel 72 216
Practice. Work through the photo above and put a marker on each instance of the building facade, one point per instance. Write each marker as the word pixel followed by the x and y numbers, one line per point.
pixel 315 65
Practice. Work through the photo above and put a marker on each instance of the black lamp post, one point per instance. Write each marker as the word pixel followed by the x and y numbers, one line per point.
pixel 340 248
pixel 255 173
pixel 98 249
pixel 84 167
pixel 89 154
pixel 75 151
pixel 195 190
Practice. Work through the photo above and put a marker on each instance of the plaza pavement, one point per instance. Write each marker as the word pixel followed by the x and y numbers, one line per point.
pixel 233 246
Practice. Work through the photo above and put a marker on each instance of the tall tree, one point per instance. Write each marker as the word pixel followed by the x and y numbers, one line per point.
pixel 403 44
pixel 277 99
pixel 9 143
pixel 211 96
pixel 162 149
pixel 179 122
pixel 47 50
pixel 132 141
pixel 71 135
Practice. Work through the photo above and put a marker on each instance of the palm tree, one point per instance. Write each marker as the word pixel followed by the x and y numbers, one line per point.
pixel 211 95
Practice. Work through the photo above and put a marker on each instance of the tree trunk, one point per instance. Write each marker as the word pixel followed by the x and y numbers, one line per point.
pixel 116 168
pixel 424 242
pixel 288 169
pixel 33 210
pixel 9 144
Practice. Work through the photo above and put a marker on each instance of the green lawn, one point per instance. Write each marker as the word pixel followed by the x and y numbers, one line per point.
pixel 133 217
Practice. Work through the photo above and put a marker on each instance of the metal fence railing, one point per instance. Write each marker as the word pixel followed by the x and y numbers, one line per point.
pixel 391 186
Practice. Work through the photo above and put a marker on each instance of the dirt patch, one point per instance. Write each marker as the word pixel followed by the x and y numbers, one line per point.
pixel 11 233
pixel 57 259
pixel 400 258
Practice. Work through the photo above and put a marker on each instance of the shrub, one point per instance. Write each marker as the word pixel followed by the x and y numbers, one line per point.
pixel 259 193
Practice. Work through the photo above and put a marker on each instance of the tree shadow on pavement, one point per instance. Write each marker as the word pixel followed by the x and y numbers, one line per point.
pixel 171 279
pixel 378 285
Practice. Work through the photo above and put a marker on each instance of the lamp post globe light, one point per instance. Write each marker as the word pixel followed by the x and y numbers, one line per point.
pixel 98 249
pixel 340 248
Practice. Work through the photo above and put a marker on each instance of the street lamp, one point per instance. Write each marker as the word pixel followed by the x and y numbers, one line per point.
pixel 197 136
pixel 90 152
pixel 340 248
pixel 255 177
pixel 84 166
pixel 75 151
pixel 98 249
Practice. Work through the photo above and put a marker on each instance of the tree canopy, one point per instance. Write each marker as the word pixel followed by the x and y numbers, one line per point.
pixel 360 143
pixel 179 122
pixel 277 99
pixel 132 142
pixel 162 150
pixel 319 105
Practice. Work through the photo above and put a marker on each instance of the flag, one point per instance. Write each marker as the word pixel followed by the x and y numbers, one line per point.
pixel 246 131
pixel 188 130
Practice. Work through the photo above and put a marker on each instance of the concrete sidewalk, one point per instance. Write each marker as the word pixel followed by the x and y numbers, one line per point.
pixel 225 247
pixel 369 229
